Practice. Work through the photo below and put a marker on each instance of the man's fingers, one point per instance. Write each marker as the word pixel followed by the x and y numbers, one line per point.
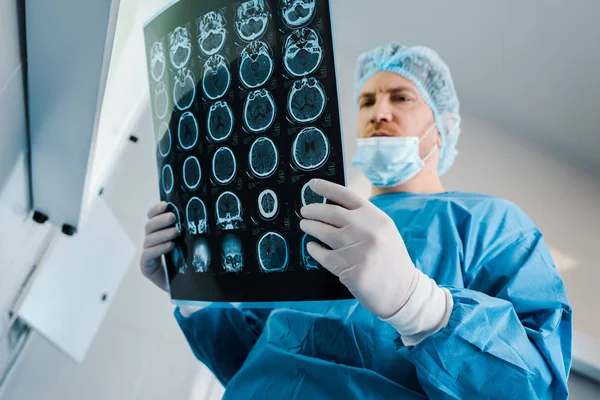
pixel 150 260
pixel 327 234
pixel 160 237
pixel 318 252
pixel 160 222
pixel 338 194
pixel 329 259
pixel 157 209
pixel 328 213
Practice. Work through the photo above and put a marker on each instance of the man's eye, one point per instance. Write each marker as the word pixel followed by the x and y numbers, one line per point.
pixel 400 98
pixel 366 103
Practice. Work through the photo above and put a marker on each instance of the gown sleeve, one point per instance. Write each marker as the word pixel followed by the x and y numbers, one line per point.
pixel 221 338
pixel 509 335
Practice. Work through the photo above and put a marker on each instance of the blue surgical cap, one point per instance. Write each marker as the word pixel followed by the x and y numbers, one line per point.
pixel 430 74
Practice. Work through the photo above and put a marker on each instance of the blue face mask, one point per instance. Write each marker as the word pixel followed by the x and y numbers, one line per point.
pixel 390 161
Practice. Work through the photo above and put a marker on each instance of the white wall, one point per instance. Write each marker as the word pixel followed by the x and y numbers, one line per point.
pixel 13 131
pixel 13 148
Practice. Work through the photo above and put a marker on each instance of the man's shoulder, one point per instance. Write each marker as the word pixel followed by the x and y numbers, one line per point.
pixel 485 200
pixel 493 211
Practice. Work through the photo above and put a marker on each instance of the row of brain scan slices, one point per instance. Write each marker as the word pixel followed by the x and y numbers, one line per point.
pixel 252 19
pixel 310 151
pixel 256 67
pixel 272 253
pixel 306 102
pixel 302 54
pixel 228 209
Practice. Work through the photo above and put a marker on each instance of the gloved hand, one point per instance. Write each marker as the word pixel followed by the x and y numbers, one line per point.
pixel 370 258
pixel 160 233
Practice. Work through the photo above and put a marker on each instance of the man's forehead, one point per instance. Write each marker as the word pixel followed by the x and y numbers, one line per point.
pixel 385 82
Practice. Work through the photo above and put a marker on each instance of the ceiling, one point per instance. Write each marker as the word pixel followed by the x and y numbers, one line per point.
pixel 529 67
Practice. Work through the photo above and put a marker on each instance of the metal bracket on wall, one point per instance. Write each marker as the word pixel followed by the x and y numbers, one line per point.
pixel 14 337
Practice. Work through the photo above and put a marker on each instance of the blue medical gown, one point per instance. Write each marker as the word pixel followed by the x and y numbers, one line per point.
pixel 508 337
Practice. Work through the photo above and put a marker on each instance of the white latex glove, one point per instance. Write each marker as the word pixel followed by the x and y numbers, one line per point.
pixel 370 258
pixel 160 232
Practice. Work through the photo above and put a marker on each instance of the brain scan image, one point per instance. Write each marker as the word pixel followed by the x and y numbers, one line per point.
pixel 158 61
pixel 168 181
pixel 180 47
pixel 310 197
pixel 196 216
pixel 232 255
pixel 219 122
pixel 216 77
pixel 224 165
pixel 177 256
pixel 310 149
pixel 259 111
pixel 272 252
pixel 212 33
pixel 187 131
pixel 201 256
pixel 306 259
pixel 296 13
pixel 251 20
pixel 184 89
pixel 229 211
pixel 268 204
pixel 172 208
pixel 306 100
pixel 164 139
pixel 303 52
pixel 191 172
pixel 161 100
pixel 256 66
pixel 263 157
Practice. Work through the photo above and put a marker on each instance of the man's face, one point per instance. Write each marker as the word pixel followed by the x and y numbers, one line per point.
pixel 391 105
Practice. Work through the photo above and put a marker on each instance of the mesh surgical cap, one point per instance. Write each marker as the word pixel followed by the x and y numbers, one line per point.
pixel 430 74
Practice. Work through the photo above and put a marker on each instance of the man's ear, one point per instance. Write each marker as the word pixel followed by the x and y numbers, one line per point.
pixel 438 138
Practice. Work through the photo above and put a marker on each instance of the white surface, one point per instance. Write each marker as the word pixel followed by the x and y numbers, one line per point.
pixel 124 98
pixel 586 352
pixel 14 181
pixel 9 40
pixel 138 354
pixel 20 240
pixel 68 51
pixel 64 303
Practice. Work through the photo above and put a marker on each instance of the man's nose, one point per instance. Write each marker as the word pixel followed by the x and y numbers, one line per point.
pixel 382 112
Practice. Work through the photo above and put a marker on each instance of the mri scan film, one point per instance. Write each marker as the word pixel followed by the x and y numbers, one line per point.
pixel 245 114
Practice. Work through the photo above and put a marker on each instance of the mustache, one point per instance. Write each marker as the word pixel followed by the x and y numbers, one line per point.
pixel 377 128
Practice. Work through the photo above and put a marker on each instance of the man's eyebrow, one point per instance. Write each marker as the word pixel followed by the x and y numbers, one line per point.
pixel 393 90
pixel 400 89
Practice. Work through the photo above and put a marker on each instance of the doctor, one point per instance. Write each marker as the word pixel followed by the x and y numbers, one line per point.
pixel 457 294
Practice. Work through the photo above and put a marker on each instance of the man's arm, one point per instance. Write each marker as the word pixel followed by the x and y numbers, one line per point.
pixel 221 338
pixel 509 334
pixel 506 335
